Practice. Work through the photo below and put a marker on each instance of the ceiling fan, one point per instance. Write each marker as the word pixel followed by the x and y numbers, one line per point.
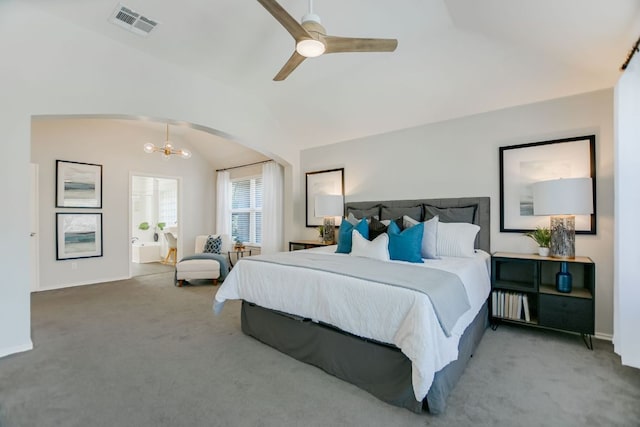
pixel 312 39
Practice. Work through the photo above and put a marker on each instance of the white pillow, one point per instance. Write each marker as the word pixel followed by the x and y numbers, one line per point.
pixel 456 239
pixel 378 248
pixel 429 238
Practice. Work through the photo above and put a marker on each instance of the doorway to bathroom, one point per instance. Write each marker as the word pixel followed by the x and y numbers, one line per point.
pixel 154 224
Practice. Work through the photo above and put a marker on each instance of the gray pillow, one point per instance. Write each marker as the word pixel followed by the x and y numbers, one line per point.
pixel 354 221
pixel 414 212
pixel 458 214
pixel 373 211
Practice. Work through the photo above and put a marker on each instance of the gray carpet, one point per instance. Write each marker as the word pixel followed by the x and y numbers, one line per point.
pixel 143 269
pixel 142 352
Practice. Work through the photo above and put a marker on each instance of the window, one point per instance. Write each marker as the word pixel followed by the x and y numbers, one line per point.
pixel 168 201
pixel 246 209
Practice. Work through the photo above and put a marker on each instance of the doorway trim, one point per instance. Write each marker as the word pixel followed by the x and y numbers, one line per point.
pixel 34 227
pixel 130 219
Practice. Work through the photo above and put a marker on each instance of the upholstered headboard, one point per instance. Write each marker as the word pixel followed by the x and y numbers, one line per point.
pixel 482 213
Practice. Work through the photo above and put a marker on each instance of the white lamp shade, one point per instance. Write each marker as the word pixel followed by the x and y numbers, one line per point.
pixel 329 205
pixel 568 196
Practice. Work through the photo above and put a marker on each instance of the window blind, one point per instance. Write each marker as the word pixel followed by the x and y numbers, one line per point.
pixel 246 209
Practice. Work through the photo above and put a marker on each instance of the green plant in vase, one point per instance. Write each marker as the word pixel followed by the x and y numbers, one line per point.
pixel 542 236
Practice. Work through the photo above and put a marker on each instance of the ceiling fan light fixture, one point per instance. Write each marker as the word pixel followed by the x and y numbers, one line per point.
pixel 310 48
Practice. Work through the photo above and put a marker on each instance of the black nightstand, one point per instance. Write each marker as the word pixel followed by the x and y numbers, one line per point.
pixel 523 291
pixel 295 245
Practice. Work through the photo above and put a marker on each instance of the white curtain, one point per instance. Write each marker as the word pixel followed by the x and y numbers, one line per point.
pixel 223 203
pixel 626 316
pixel 272 209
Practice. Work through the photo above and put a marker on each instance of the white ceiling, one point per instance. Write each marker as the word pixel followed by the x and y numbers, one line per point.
pixel 454 57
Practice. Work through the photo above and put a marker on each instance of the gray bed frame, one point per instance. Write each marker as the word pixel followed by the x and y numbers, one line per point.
pixel 379 368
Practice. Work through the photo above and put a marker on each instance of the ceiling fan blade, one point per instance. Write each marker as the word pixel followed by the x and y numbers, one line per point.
pixel 293 62
pixel 287 21
pixel 349 44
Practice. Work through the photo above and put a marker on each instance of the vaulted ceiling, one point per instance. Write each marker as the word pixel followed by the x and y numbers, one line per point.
pixel 454 57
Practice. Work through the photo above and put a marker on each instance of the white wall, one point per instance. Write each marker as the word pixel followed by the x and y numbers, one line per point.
pixel 51 67
pixel 117 146
pixel 459 158
pixel 627 250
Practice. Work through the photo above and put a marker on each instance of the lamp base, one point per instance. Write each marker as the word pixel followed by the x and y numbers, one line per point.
pixel 564 281
pixel 563 236
pixel 329 230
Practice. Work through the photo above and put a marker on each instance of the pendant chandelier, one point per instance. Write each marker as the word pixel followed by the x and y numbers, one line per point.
pixel 167 149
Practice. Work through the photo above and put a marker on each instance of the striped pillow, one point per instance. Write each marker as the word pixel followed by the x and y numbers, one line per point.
pixel 456 239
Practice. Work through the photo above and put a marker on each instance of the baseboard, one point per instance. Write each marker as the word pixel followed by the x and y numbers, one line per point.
pixel 605 337
pixel 90 282
pixel 16 349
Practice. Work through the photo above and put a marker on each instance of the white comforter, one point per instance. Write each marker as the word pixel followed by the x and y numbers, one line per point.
pixel 384 313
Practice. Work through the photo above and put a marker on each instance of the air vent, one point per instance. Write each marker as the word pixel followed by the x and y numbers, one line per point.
pixel 133 21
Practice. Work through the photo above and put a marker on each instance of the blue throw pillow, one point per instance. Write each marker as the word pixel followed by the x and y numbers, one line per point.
pixel 406 245
pixel 344 234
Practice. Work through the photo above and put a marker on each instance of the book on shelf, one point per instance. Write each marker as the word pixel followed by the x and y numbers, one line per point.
pixel 525 305
pixel 494 303
pixel 507 299
pixel 510 305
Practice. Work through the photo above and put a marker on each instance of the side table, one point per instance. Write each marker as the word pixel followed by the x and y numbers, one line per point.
pixel 240 253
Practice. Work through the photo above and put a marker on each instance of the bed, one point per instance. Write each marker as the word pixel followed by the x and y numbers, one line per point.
pixel 392 342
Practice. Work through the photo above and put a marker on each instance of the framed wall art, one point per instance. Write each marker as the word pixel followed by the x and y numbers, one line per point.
pixel 78 185
pixel 329 181
pixel 78 235
pixel 522 165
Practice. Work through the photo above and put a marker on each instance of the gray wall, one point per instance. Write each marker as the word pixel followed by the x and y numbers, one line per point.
pixel 60 69
pixel 117 146
pixel 459 158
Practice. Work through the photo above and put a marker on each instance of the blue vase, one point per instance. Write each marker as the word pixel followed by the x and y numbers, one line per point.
pixel 563 278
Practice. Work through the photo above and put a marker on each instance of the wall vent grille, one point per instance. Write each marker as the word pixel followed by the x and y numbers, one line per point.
pixel 133 21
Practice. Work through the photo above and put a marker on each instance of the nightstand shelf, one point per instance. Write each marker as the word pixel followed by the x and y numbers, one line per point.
pixel 523 287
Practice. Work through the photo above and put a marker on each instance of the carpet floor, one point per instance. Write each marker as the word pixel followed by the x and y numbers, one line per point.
pixel 142 352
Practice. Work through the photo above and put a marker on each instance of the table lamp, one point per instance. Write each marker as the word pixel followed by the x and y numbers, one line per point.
pixel 563 199
pixel 329 206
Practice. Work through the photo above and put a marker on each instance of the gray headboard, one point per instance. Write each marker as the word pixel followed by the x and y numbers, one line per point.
pixel 482 217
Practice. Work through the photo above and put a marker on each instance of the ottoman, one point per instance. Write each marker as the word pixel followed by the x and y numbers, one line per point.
pixel 197 269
